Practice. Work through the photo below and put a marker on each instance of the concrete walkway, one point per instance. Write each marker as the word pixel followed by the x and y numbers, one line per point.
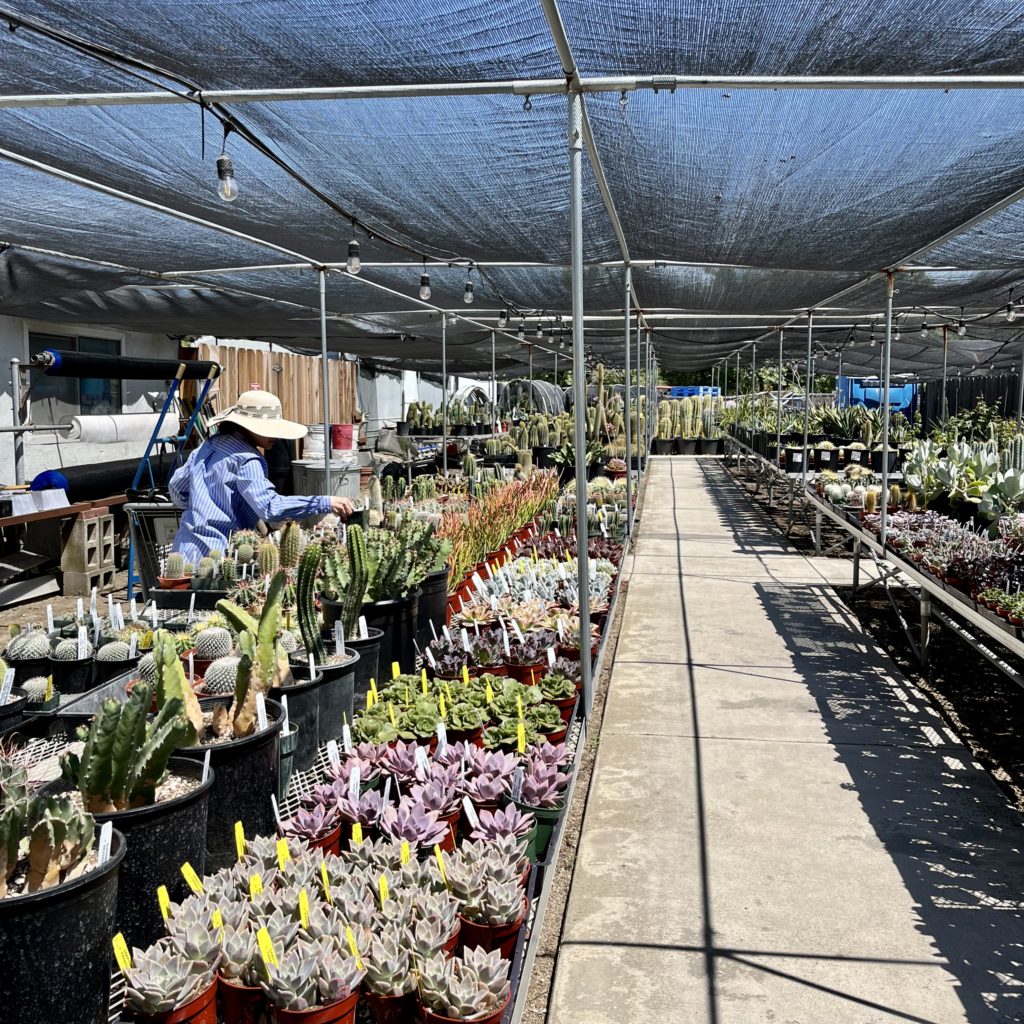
pixel 779 828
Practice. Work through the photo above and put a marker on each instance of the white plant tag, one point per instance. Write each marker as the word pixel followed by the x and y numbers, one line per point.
pixel 346 738
pixel 487 569
pixel 312 667
pixel 494 603
pixel 285 726
pixel 133 645
pixel 49 618
pixel 118 616
pixel 273 801
pixel 551 657
pixel 5 689
pixel 133 610
pixel 80 609
pixel 110 611
pixel 504 640
pixel 442 737
pixel 333 754
pixel 518 632
pixel 854 455
pixel 206 765
pixel 561 629
pixel 421 759
pixel 191 667
pixel 447 633
pixel 83 643
pixel 191 607
pixel 261 711
pixel 478 583
pixel 429 655
pixel 387 794
pixel 339 638
pixel 103 846
pixel 96 633
pixel 353 785
pixel 432 629
pixel 364 632
pixel 557 534
pixel 154 615
pixel 92 603
pixel 470 811
pixel 517 784
pixel 465 639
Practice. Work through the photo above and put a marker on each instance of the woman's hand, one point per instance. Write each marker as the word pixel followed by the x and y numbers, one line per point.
pixel 342 507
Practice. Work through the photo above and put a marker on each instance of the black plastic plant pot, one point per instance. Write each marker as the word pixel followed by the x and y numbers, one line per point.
pixel 337 695
pixel 402 428
pixel 663 446
pixel 795 460
pixel 71 676
pixel 68 929
pixel 686 446
pixel 331 611
pixel 433 606
pixel 29 668
pixel 877 461
pixel 542 456
pixel 368 666
pixel 826 458
pixel 286 764
pixel 712 445
pixel 104 671
pixel 304 710
pixel 13 711
pixel 160 839
pixel 540 838
pixel 245 775
pixel 397 620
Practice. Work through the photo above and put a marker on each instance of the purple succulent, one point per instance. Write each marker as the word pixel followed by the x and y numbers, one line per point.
pixel 508 821
pixel 324 795
pixel 366 809
pixel 375 753
pixel 453 755
pixel 557 754
pixel 340 776
pixel 544 785
pixel 490 762
pixel 486 789
pixel 437 796
pixel 400 761
pixel 311 824
pixel 411 821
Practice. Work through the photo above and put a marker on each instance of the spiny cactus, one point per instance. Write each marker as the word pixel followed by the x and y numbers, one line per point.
pixel 288 641
pixel 30 646
pixel 305 600
pixel 213 643
pixel 244 553
pixel 268 557
pixel 469 466
pixel 118 650
pixel 174 567
pixel 357 582
pixel 67 650
pixel 206 568
pixel 291 539
pixel 222 675
pixel 171 684
pixel 35 689
pixel 229 571
pixel 376 498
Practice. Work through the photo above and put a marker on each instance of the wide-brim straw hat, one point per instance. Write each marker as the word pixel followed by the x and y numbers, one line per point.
pixel 260 412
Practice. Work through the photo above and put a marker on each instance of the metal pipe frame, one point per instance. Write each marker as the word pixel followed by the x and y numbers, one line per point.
pixel 778 400
pixel 945 359
pixel 444 394
pixel 19 441
pixel 753 387
pixel 325 395
pixel 886 409
pixel 494 387
pixel 627 275
pixel 807 393
pixel 517 87
pixel 1020 387
pixel 641 452
pixel 579 385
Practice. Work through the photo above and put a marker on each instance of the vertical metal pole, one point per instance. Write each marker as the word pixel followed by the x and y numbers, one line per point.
pixel 494 390
pixel 945 357
pixel 628 426
pixel 652 390
pixel 1020 388
pixel 579 384
pixel 19 439
pixel 529 358
pixel 640 460
pixel 444 395
pixel 778 404
pixel 753 387
pixel 325 396
pixel 807 393
pixel 886 364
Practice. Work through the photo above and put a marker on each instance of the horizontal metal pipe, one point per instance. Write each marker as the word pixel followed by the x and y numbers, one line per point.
pixel 518 87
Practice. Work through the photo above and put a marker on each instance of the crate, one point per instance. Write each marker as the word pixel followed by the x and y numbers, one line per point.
pixel 151 527
pixel 80 584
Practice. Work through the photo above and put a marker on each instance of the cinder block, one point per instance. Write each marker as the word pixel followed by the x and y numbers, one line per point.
pixel 80 584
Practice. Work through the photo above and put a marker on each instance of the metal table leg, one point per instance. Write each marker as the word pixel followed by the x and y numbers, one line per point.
pixel 856 563
pixel 926 615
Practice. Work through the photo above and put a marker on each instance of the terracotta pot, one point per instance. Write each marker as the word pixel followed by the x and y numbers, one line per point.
pixel 565 706
pixel 392 1009
pixel 492 936
pixel 474 737
pixel 166 583
pixel 241 1004
pixel 557 736
pixel 330 842
pixel 448 843
pixel 343 1012
pixel 453 941
pixel 528 674
pixel 201 1010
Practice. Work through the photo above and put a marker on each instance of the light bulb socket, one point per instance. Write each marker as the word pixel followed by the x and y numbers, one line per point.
pixel 353 263
pixel 502 319
pixel 520 335
pixel 424 286
pixel 225 167
pixel 467 295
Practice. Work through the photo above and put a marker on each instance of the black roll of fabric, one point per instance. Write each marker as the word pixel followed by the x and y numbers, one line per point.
pixel 106 480
pixel 85 364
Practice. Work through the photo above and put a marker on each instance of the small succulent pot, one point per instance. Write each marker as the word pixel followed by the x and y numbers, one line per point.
pixel 71 676
pixel 341 1012
pixel 545 818
pixel 11 713
pixel 564 705
pixel 29 668
pixel 104 671
pixel 201 1010
pixel 473 737
pixel 529 675
pixel 557 736
pixel 174 583
pixel 329 842
pixel 490 937
pixel 448 843
pixel 286 763
pixel 391 1009
pixel 430 1017
pixel 241 1004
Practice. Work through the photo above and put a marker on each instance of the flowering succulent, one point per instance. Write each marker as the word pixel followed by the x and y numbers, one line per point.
pixel 411 821
pixel 162 979
pixel 508 821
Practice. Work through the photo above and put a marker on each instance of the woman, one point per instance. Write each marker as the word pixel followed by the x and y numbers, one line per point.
pixel 224 487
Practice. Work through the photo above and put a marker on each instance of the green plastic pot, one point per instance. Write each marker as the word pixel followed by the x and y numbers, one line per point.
pixel 540 838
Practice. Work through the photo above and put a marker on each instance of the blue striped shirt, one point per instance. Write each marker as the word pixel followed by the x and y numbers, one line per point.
pixel 224 487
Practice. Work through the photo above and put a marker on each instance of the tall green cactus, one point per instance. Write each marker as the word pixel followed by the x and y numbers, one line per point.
pixel 289 548
pixel 305 600
pixel 171 683
pixel 357 582
pixel 269 559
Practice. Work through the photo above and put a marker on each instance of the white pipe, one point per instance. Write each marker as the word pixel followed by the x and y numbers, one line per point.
pixel 886 411
pixel 326 396
pixel 627 425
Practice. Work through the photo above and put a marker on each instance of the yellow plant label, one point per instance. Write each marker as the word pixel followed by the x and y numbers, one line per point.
pixel 121 954
pixel 373 690
pixel 440 864
pixel 382 885
pixel 283 856
pixel 391 713
pixel 369 699
pixel 326 882
pixel 353 948
pixel 239 840
pixel 357 833
pixel 519 706
pixel 521 734
pixel 192 880
pixel 489 693
pixel 406 852
pixel 217 920
pixel 423 680
pixel 465 677
pixel 395 670
pixel 266 947
pixel 49 688
pixel 441 704
pixel 448 691
pixel 408 698
pixel 255 886
pixel 304 908
pixel 163 900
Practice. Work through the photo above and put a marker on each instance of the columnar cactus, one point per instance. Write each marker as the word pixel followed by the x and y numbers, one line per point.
pixel 269 559
pixel 291 537
pixel 353 600
pixel 174 567
pixel 305 599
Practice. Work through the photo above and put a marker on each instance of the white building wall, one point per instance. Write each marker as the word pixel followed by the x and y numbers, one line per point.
pixel 45 450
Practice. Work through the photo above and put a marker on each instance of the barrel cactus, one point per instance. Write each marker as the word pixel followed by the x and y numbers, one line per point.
pixel 147 668
pixel 206 568
pixel 221 675
pixel 288 641
pixel 116 651
pixel 29 646
pixel 35 689
pixel 174 567
pixel 245 553
pixel 67 650
pixel 268 558
pixel 213 643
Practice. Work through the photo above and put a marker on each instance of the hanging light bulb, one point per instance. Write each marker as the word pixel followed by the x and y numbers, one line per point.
pixel 896 331
pixel 521 333
pixel 424 284
pixel 467 295
pixel 227 187
pixel 353 263
pixel 1011 312
pixel 873 340
pixel 539 333
pixel 503 318
pixel 961 328
pixel 924 326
